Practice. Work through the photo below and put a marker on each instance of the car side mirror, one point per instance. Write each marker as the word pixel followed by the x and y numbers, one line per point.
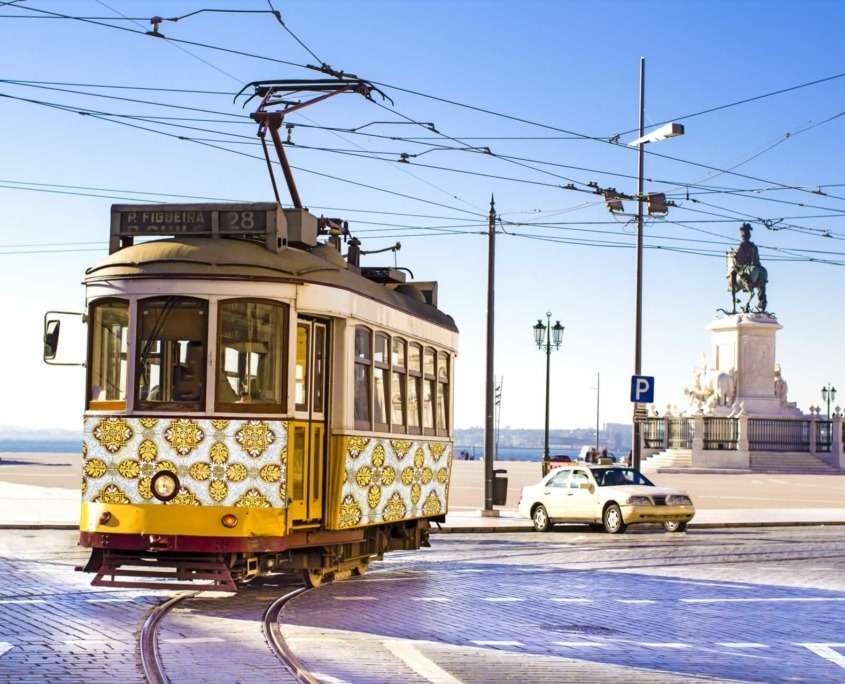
pixel 586 485
pixel 51 338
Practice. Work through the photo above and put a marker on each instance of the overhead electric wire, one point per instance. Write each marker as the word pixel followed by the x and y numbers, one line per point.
pixel 238 152
pixel 170 39
pixel 467 148
pixel 465 105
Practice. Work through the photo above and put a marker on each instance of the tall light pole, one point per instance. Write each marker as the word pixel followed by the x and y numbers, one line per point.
pixel 828 396
pixel 598 405
pixel 547 337
pixel 490 388
pixel 670 130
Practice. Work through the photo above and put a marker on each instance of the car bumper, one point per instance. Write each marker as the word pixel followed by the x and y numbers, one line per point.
pixel 643 514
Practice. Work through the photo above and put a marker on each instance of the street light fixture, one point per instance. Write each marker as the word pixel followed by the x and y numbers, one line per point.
pixel 547 337
pixel 670 130
pixel 828 396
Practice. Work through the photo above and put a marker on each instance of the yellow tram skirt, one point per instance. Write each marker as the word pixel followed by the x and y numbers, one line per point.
pixel 200 521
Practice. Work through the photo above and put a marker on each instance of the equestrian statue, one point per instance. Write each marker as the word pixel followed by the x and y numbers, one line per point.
pixel 746 274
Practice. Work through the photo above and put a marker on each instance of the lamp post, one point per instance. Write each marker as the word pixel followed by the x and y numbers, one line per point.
pixel 828 396
pixel 547 336
pixel 668 131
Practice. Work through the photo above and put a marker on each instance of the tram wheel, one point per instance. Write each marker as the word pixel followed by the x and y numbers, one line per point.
pixel 361 567
pixel 313 578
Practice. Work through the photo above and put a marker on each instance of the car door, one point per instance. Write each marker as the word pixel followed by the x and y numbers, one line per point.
pixel 554 493
pixel 581 503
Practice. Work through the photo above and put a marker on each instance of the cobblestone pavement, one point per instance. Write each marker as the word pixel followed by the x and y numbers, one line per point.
pixel 54 626
pixel 752 605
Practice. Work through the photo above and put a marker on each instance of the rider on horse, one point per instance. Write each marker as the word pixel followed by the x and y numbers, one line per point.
pixel 747 272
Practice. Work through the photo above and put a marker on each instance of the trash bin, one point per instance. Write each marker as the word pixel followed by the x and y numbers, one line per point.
pixel 500 487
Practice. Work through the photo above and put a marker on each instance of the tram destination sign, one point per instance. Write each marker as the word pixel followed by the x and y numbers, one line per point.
pixel 255 220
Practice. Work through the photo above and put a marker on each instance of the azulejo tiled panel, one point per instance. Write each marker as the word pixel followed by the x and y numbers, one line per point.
pixel 388 480
pixel 218 462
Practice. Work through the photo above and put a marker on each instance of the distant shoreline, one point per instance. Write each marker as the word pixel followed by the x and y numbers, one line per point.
pixel 70 446
pixel 41 446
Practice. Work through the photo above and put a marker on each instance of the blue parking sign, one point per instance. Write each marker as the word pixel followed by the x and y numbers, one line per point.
pixel 642 389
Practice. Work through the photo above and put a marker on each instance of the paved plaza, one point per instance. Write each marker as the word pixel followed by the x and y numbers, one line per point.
pixel 752 605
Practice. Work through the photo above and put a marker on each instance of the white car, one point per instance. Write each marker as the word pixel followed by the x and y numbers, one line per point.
pixel 605 496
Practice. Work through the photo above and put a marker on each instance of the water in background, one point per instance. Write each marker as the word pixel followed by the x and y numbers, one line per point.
pixel 475 452
pixel 513 453
pixel 43 446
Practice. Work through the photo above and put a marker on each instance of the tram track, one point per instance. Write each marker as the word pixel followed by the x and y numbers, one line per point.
pixel 273 634
pixel 153 664
pixel 150 655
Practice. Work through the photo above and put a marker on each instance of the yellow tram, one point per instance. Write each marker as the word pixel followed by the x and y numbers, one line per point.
pixel 257 402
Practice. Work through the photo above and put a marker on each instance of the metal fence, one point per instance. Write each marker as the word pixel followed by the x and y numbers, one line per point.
pixel 680 433
pixel 778 434
pixel 824 435
pixel 654 432
pixel 721 433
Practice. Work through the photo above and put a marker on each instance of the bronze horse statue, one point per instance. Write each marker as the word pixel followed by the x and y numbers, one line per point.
pixel 751 278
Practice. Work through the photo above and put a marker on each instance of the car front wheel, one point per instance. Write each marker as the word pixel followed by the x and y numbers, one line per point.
pixel 613 522
pixel 541 519
pixel 675 526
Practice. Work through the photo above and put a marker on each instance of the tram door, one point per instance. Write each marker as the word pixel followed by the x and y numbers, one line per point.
pixel 307 448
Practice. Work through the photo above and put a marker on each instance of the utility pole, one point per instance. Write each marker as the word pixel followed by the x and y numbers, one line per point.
pixel 499 387
pixel 638 323
pixel 490 389
pixel 598 398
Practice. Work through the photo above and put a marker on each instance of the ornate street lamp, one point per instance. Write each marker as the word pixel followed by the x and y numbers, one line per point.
pixel 547 337
pixel 828 396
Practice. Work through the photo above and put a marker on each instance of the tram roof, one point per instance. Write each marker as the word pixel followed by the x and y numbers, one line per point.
pixel 192 257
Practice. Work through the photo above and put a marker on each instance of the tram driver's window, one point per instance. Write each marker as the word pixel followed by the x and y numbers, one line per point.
pixel 170 363
pixel 109 347
pixel 251 353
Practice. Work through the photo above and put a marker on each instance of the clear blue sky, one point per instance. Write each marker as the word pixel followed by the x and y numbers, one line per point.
pixel 571 65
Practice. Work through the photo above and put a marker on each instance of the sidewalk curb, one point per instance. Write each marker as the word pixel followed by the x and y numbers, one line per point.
pixel 500 529
pixel 451 529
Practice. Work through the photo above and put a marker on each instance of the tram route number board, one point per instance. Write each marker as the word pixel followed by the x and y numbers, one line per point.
pixel 193 222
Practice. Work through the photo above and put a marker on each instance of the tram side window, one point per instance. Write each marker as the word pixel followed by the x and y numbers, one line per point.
pixel 397 385
pixel 170 364
pixel 414 387
pixel 363 366
pixel 428 390
pixel 381 371
pixel 442 394
pixel 109 347
pixel 251 354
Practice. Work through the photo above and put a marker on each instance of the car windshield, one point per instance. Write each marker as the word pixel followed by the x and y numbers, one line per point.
pixel 612 477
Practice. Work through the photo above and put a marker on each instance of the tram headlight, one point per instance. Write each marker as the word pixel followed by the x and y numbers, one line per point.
pixel 165 485
pixel 229 520
pixel 639 501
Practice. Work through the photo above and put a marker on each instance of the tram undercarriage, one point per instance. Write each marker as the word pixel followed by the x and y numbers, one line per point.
pixel 135 561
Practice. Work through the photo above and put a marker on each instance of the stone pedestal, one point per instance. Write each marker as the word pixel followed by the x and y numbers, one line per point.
pixel 744 346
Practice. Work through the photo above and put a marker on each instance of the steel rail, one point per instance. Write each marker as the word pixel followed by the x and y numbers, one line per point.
pixel 150 655
pixel 273 634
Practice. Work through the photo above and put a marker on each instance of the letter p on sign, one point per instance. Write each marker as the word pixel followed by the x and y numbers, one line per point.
pixel 642 389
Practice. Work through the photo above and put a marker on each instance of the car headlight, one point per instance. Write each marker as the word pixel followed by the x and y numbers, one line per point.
pixel 639 501
pixel 678 500
pixel 165 485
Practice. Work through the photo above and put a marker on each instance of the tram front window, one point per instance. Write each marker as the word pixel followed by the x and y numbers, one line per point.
pixel 250 356
pixel 170 367
pixel 108 354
